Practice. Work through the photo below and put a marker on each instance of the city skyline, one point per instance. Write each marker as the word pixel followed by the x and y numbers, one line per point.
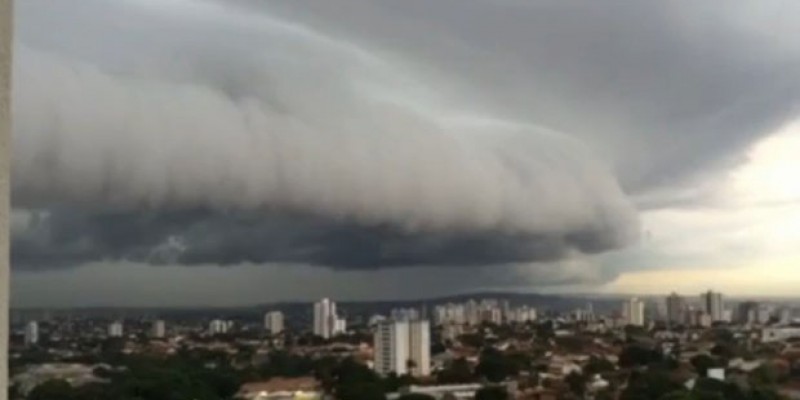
pixel 402 150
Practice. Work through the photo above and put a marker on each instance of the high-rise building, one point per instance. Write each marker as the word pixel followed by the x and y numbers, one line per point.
pixel 339 326
pixel 506 309
pixel 748 312
pixel 391 347
pixel 402 347
pixel 633 312
pixel 219 326
pixel 31 333
pixel 676 309
pixel 493 315
pixel 273 322
pixel 450 314
pixel 159 329
pixel 405 314
pixel 326 322
pixel 115 329
pixel 419 348
pixel 713 305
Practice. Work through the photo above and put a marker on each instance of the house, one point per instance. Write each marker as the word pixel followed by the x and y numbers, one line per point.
pixel 302 388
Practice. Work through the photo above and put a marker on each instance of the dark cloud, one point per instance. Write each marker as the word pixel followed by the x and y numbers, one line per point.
pixel 63 237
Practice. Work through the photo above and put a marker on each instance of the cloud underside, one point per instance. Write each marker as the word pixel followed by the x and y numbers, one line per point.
pixel 69 237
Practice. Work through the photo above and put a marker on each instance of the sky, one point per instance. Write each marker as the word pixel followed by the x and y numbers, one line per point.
pixel 201 152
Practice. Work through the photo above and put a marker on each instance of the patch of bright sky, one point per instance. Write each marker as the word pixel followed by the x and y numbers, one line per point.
pixel 747 244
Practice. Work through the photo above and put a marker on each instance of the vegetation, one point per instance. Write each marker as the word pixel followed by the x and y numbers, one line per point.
pixel 492 393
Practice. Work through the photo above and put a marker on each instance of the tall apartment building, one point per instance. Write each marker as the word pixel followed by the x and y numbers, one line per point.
pixel 273 322
pixel 115 329
pixel 449 313
pixel 31 333
pixel 713 305
pixel 219 326
pixel 676 309
pixel 633 312
pixel 747 312
pixel 326 322
pixel 405 314
pixel 158 329
pixel 402 347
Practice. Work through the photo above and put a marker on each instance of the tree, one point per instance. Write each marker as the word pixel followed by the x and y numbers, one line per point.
pixel 57 389
pixel 411 365
pixel 545 330
pixel 360 391
pixel 649 385
pixel 457 371
pixel 576 382
pixel 491 393
pixel 416 396
pixel 598 365
pixel 495 366
pixel 354 381
pixel 637 355
pixel 475 340
pixel 702 363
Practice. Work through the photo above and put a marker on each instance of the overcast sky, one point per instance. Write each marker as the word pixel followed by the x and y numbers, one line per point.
pixel 180 152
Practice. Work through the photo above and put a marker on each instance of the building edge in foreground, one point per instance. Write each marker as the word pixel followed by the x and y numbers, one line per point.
pixel 6 32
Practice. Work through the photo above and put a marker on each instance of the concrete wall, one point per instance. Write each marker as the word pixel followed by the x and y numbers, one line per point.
pixel 5 133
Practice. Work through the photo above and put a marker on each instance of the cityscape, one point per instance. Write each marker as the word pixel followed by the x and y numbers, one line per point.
pixel 399 200
pixel 462 348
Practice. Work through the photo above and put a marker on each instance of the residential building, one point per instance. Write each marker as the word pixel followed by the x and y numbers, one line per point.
pixel 419 347
pixel 405 314
pixel 31 333
pixel 713 305
pixel 748 312
pixel 391 347
pixel 326 322
pixel 115 329
pixel 402 347
pixel 218 326
pixel 633 312
pixel 273 322
pixel 449 314
pixel 158 329
pixel 676 309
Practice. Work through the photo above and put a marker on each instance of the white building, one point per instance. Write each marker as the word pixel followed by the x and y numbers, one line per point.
pixel 633 312
pixel 115 329
pixel 31 333
pixel 449 313
pixel 405 314
pixel 523 314
pixel 472 313
pixel 419 349
pixel 218 326
pixel 326 322
pixel 339 326
pixel 400 345
pixel 273 322
pixel 391 347
pixel 713 305
pixel 452 331
pixel 159 329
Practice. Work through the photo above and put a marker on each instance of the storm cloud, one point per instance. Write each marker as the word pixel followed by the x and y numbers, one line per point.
pixel 396 134
pixel 67 236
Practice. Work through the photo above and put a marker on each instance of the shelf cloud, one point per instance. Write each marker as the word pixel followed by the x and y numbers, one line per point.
pixel 228 133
